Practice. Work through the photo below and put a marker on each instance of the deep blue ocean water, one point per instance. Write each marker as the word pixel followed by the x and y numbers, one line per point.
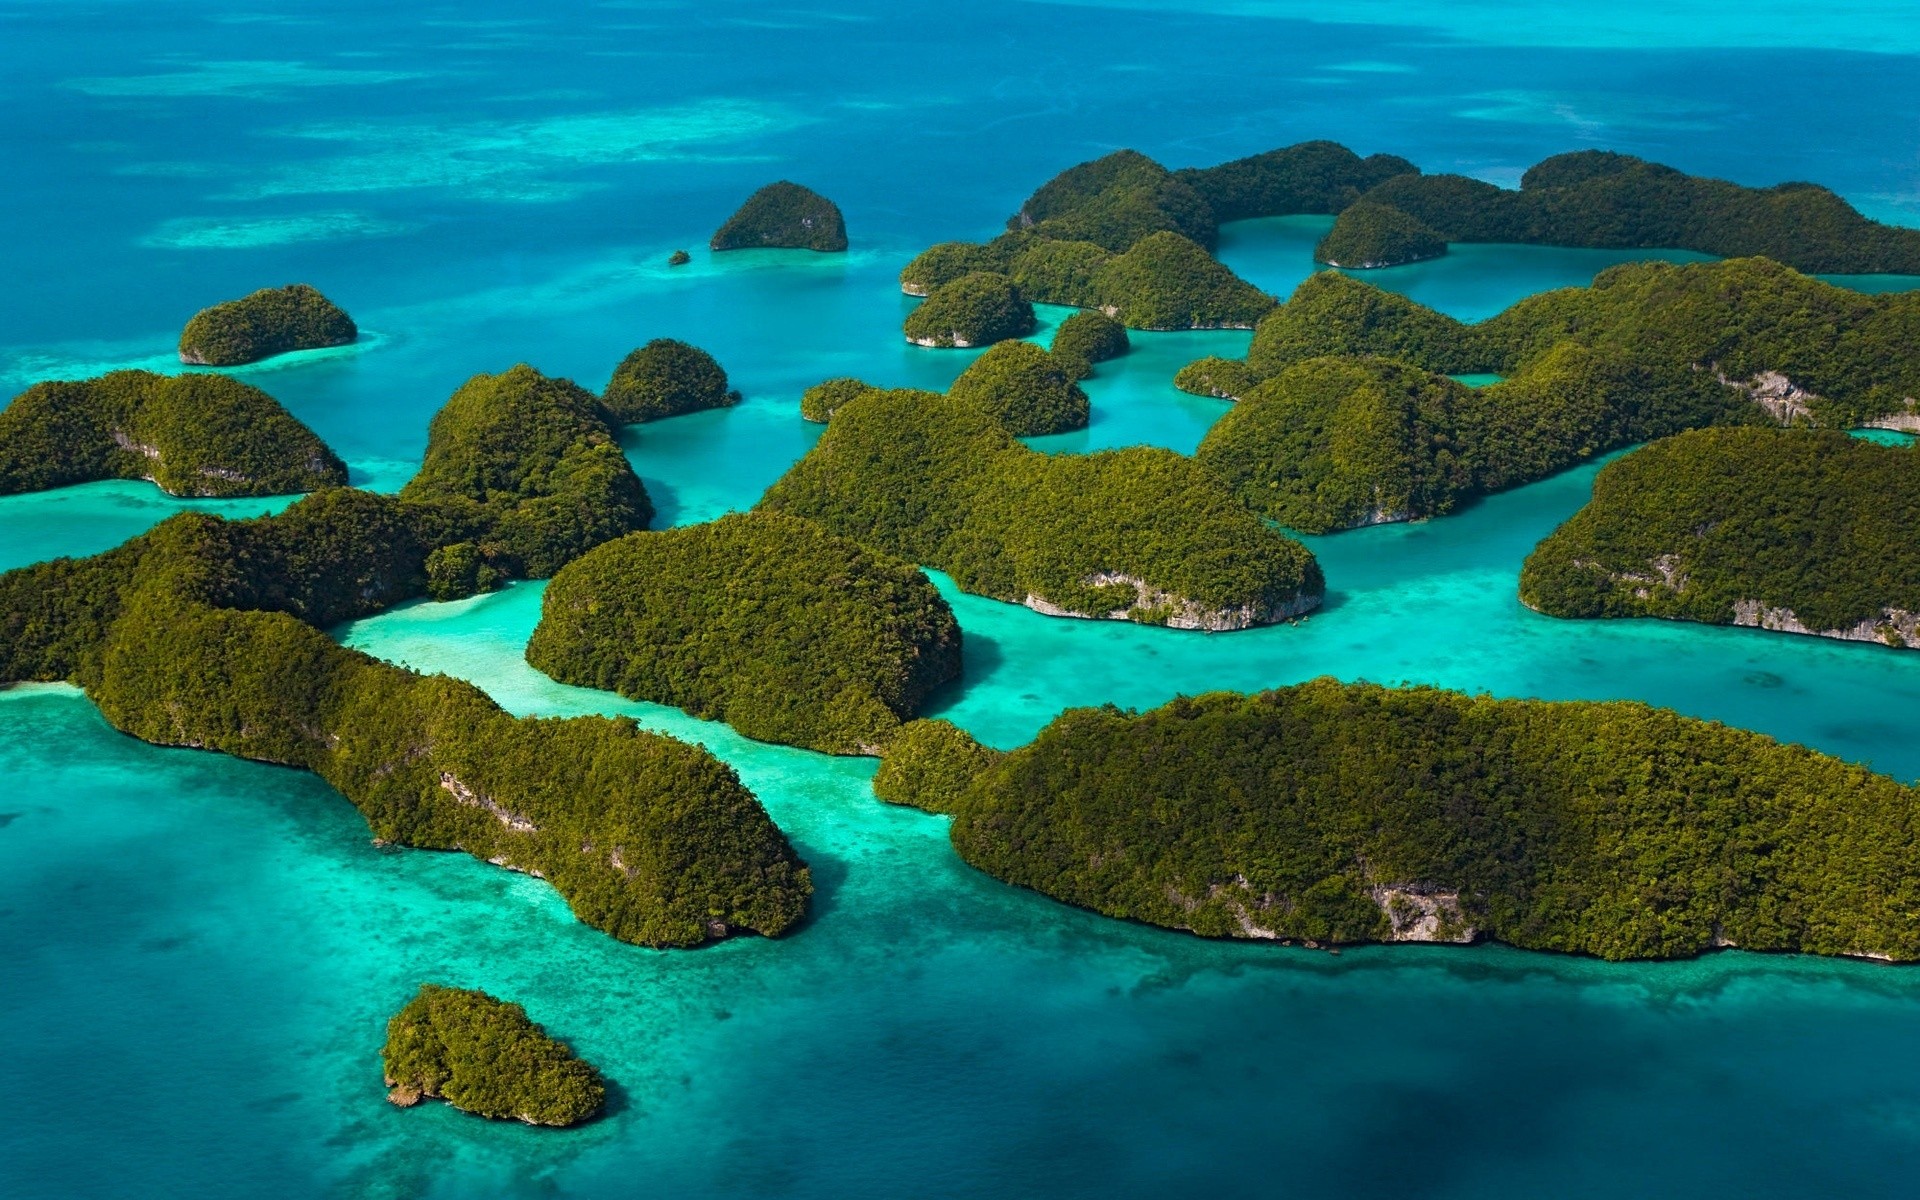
pixel 197 955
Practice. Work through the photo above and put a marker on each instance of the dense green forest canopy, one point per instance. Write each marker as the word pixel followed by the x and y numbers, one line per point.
pixel 665 378
pixel 1143 533
pixel 482 1055
pixel 1336 442
pixel 193 435
pixel 1311 177
pixel 1600 198
pixel 784 215
pixel 767 622
pixel 1025 388
pixel 1333 813
pixel 1649 350
pixel 1066 234
pixel 1086 338
pixel 1371 234
pixel 977 309
pixel 1842 357
pixel 264 323
pixel 1736 525
pixel 206 633
pixel 823 399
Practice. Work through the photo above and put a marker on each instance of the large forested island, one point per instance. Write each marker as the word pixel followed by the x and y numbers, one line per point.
pixel 1330 434
pixel 1124 234
pixel 264 323
pixel 1801 531
pixel 207 633
pixel 1141 534
pixel 482 1055
pixel 193 435
pixel 1333 813
pixel 1599 198
pixel 764 621
pixel 787 216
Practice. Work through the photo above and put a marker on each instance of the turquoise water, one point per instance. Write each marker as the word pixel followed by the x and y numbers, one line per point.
pixel 199 953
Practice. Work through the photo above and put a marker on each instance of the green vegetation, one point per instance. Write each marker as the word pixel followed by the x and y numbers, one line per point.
pixel 1312 177
pixel 1121 233
pixel 1333 813
pixel 1115 202
pixel 527 468
pixel 784 215
pixel 973 310
pixel 679 258
pixel 1649 350
pixel 1086 338
pixel 819 402
pixel 665 378
pixel 1168 282
pixel 267 322
pixel 1060 272
pixel 1598 198
pixel 206 633
pixel 1370 234
pixel 785 632
pixel 482 1055
pixel 1025 388
pixel 945 262
pixel 929 764
pixel 193 435
pixel 1332 443
pixel 1745 526
pixel 1143 533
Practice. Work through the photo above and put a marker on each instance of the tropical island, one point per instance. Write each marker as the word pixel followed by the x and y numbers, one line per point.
pixel 192 435
pixel 767 622
pixel 1142 534
pixel 1330 813
pixel 823 399
pixel 1125 235
pixel 1087 338
pixel 1791 530
pixel 483 1056
pixel 1025 388
pixel 665 378
pixel 264 323
pixel 204 632
pixel 784 216
pixel 1650 349
pixel 976 309
pixel 1602 199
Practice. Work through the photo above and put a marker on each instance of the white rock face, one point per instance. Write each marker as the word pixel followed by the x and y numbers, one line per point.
pixel 1422 914
pixel 1185 614
pixel 1893 627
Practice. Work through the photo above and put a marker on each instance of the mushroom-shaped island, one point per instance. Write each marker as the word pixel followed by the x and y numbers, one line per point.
pixel 267 322
pixel 665 378
pixel 977 309
pixel 784 216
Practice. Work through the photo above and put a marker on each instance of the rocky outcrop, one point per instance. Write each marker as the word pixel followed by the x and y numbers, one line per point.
pixel 1416 913
pixel 1893 627
pixel 1785 401
pixel 1153 606
pixel 472 799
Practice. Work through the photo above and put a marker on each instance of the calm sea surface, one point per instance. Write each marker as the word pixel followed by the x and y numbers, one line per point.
pixel 197 955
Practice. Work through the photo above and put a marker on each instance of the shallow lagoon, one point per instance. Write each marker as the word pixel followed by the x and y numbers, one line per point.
pixel 200 952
